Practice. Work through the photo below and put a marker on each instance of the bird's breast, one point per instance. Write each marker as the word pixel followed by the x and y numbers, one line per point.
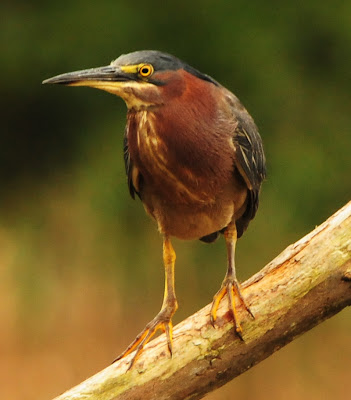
pixel 186 174
pixel 154 158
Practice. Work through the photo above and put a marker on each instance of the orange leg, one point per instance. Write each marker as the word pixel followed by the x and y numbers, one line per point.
pixel 230 285
pixel 163 319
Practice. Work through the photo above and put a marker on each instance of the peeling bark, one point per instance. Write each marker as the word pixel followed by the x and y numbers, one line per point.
pixel 307 283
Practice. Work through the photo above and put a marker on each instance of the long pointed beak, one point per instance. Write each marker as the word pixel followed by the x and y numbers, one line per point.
pixel 88 77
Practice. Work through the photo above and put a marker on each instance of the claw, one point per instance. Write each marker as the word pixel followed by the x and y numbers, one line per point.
pixel 145 335
pixel 216 300
pixel 230 287
pixel 169 335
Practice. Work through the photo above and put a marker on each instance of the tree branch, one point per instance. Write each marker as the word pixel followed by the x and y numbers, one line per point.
pixel 307 283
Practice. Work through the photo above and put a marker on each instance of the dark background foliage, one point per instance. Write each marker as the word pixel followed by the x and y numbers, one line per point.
pixel 80 262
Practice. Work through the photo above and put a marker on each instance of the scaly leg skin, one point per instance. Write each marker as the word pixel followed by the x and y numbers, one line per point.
pixel 230 285
pixel 163 319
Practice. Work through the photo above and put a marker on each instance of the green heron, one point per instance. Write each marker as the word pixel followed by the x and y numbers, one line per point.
pixel 194 157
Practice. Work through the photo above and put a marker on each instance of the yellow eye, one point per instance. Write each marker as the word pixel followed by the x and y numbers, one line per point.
pixel 146 70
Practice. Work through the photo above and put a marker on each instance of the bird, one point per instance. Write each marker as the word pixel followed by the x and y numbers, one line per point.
pixel 194 157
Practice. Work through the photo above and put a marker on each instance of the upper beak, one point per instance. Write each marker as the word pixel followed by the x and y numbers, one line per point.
pixel 102 74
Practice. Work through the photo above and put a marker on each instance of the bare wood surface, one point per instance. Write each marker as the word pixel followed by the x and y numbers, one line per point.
pixel 307 283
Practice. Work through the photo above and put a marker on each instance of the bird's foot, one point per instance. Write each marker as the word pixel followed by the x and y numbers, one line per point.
pixel 230 287
pixel 163 322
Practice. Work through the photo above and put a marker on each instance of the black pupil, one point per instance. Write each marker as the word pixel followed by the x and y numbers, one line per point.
pixel 145 70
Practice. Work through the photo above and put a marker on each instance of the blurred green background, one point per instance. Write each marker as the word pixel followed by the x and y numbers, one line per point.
pixel 80 262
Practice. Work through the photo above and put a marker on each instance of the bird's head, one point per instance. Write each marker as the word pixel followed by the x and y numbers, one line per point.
pixel 142 78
